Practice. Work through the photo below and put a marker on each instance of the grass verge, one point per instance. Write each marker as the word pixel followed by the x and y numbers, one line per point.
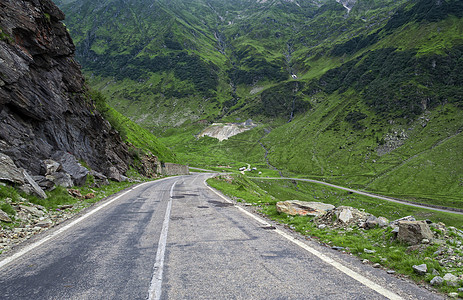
pixel 58 203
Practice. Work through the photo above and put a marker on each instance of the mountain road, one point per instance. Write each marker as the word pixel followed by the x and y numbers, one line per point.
pixel 176 238
pixel 452 210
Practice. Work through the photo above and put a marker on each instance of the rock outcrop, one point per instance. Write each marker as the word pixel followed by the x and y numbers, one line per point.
pixel 303 208
pixel 44 106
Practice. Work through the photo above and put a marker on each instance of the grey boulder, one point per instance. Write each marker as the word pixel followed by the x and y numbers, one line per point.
pixel 31 187
pixel 32 210
pixel 44 183
pixel 71 166
pixel 413 232
pixel 451 279
pixel 382 222
pixel 437 280
pixel 61 179
pixel 371 222
pixel 115 174
pixel 51 166
pixel 420 269
pixel 8 170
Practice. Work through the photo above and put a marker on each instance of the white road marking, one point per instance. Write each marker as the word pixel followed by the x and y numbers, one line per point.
pixel 360 278
pixel 30 247
pixel 194 180
pixel 155 289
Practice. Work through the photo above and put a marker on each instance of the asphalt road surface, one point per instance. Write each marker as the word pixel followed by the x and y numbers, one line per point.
pixel 177 239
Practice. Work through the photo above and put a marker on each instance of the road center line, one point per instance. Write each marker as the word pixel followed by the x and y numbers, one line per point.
pixel 360 278
pixel 30 247
pixel 155 289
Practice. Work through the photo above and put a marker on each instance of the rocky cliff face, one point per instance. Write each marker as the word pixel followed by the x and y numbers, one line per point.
pixel 43 104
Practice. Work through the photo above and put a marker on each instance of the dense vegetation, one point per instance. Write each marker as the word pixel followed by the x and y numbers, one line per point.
pixel 398 83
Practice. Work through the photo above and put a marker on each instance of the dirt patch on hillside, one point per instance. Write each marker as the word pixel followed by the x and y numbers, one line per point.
pixel 223 131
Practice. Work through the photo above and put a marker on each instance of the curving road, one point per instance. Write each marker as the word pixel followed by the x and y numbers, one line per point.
pixel 426 206
pixel 178 239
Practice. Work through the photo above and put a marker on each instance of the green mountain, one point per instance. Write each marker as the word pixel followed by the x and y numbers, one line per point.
pixel 363 93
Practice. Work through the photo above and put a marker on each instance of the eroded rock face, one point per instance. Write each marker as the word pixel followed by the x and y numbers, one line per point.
pixel 150 165
pixel 223 131
pixel 43 106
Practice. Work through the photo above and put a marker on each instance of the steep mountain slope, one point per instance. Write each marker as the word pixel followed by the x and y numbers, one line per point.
pixel 364 93
pixel 192 60
pixel 208 58
pixel 45 107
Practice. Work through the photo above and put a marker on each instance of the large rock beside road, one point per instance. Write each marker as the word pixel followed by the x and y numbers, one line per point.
pixel 32 210
pixel 115 175
pixel 302 208
pixel 31 187
pixel 413 232
pixel 61 179
pixel 345 215
pixel 71 166
pixel 8 170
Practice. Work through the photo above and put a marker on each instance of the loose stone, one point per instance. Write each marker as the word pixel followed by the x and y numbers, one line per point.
pixel 420 269
pixel 437 280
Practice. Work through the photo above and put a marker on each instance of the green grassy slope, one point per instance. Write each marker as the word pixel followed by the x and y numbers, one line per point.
pixel 211 56
pixel 376 103
pixel 131 132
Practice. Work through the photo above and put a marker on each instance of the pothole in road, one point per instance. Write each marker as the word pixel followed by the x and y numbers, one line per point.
pixel 220 204
pixel 192 195
pixel 177 197
pixel 269 227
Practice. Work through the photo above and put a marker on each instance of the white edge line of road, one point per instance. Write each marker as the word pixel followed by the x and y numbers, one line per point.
pixel 155 289
pixel 32 246
pixel 360 278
